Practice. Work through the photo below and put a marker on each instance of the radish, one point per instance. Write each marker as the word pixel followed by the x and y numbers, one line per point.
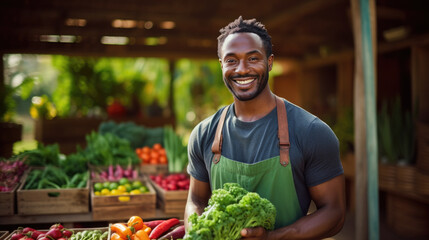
pixel 28 229
pixel 43 235
pixel 57 225
pixel 67 233
pixel 35 234
pixel 55 233
pixel 17 236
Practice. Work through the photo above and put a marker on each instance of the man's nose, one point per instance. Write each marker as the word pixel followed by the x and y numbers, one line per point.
pixel 242 68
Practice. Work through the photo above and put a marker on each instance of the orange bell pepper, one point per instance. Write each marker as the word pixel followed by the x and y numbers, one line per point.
pixel 115 236
pixel 141 235
pixel 122 230
pixel 147 229
pixel 136 223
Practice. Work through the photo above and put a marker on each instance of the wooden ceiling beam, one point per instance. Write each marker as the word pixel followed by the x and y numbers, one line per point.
pixel 285 17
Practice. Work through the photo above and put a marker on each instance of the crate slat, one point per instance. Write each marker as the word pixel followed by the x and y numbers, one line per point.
pixel 52 201
pixel 124 206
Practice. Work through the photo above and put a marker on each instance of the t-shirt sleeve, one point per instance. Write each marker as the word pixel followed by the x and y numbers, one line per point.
pixel 196 167
pixel 322 154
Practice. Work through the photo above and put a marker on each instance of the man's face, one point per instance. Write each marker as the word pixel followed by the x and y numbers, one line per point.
pixel 245 66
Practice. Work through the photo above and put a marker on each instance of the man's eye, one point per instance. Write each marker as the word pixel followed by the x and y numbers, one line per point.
pixel 230 61
pixel 252 59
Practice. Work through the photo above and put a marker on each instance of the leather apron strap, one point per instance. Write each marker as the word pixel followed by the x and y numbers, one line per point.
pixel 283 134
pixel 217 143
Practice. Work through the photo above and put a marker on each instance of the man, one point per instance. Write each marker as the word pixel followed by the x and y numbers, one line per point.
pixel 267 145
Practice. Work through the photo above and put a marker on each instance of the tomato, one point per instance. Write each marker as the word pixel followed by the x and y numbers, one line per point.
pixel 162 159
pixel 145 149
pixel 157 146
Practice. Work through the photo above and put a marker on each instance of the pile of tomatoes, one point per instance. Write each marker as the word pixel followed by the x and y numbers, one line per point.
pixel 152 155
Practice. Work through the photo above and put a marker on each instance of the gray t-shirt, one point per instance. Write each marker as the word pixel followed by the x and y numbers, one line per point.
pixel 314 152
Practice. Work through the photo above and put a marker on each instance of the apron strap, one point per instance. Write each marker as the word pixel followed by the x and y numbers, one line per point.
pixel 217 143
pixel 283 132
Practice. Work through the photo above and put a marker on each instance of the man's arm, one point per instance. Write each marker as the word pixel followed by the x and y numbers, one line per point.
pixel 326 221
pixel 198 197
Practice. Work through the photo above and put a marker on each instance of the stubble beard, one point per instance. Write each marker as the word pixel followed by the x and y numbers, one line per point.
pixel 263 81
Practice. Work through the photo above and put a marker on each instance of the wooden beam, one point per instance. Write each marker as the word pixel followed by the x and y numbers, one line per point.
pixel 289 15
pixel 361 222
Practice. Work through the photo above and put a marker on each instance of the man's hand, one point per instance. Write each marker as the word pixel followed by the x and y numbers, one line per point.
pixel 254 233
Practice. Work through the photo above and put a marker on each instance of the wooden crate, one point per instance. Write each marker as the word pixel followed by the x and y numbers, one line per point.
pixel 7 202
pixel 153 168
pixel 122 207
pixel 170 201
pixel 52 201
pixel 74 230
pixel 4 234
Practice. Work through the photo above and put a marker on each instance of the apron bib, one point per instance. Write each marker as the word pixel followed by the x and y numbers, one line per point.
pixel 270 178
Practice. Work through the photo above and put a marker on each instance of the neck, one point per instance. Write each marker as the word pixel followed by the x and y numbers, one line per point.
pixel 257 108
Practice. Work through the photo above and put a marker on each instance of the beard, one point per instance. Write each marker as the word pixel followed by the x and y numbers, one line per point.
pixel 261 83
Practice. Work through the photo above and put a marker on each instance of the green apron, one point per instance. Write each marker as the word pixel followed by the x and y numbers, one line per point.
pixel 270 178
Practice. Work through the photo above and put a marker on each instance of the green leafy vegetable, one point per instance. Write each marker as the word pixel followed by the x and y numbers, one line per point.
pixel 177 152
pixel 41 156
pixel 137 135
pixel 108 149
pixel 231 209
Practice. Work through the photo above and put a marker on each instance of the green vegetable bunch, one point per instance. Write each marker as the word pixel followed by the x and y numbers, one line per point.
pixel 231 209
pixel 108 149
pixel 137 135
pixel 90 235
pixel 54 177
pixel 177 152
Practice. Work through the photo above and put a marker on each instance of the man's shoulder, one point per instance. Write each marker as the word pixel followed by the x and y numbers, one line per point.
pixel 207 126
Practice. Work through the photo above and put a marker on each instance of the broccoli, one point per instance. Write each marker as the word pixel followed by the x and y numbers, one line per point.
pixel 229 210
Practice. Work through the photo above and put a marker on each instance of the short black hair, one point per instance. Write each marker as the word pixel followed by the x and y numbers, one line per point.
pixel 251 26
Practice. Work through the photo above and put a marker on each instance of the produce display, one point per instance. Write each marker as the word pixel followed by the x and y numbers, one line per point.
pixel 137 229
pixel 11 173
pixel 95 234
pixel 111 164
pixel 55 232
pixel 177 152
pixel 171 182
pixel 231 209
pixel 114 173
pixel 152 155
pixel 121 187
pixel 138 136
pixel 108 149
pixel 54 177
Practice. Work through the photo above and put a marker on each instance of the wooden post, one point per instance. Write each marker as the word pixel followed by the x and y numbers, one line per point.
pixel 171 92
pixel 361 107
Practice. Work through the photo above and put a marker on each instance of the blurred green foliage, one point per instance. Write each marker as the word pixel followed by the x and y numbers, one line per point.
pixel 81 86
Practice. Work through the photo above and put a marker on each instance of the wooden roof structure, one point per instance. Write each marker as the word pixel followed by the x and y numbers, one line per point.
pixel 175 29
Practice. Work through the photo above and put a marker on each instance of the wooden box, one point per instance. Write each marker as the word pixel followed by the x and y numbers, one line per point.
pixel 122 207
pixel 3 234
pixel 74 230
pixel 7 202
pixel 153 168
pixel 52 201
pixel 173 201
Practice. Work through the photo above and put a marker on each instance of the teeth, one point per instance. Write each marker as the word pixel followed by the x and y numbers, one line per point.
pixel 245 81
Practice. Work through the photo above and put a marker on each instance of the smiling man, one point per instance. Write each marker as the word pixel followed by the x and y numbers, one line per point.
pixel 266 144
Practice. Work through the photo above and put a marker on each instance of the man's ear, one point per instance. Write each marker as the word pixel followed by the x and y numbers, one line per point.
pixel 220 61
pixel 270 62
